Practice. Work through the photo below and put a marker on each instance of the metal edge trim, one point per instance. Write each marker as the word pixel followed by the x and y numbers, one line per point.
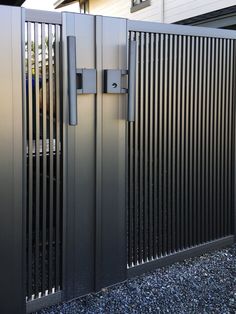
pixel 24 144
pixel 37 304
pixel 140 6
pixel 144 26
pixel 180 256
pixel 40 16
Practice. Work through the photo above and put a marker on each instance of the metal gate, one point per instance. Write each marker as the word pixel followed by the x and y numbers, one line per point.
pixel 181 145
pixel 128 150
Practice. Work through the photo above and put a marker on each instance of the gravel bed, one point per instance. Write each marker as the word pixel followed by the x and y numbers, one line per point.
pixel 205 284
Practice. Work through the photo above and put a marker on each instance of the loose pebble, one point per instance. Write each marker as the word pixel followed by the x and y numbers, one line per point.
pixel 206 284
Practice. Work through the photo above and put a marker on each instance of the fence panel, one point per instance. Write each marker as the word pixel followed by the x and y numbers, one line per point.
pixel 65 185
pixel 181 145
pixel 44 159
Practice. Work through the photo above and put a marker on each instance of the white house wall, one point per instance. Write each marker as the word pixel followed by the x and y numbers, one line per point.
pixel 176 10
pixel 121 8
pixel 167 11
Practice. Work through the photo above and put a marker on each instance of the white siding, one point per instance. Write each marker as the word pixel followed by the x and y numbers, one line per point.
pixel 121 8
pixel 174 10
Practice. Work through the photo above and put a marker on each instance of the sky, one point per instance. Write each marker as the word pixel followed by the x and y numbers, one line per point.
pixel 48 5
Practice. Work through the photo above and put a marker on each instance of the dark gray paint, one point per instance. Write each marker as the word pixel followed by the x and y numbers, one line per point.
pixel 194 195
pixel 92 247
pixel 180 256
pixel 11 162
pixel 94 153
pixel 37 304
pixel 80 167
pixel 113 118
pixel 174 29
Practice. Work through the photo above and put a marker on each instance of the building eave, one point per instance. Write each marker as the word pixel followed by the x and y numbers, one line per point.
pixel 17 3
pixel 210 16
pixel 62 3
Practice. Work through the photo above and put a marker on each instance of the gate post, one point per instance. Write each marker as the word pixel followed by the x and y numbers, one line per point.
pixel 11 162
pixel 110 257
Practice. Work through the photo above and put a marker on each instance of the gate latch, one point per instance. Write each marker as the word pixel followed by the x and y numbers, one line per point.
pixel 86 81
pixel 113 81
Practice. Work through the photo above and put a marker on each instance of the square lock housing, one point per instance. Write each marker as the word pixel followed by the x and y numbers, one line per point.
pixel 112 81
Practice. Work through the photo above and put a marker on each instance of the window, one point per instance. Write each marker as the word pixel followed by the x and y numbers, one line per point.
pixel 139 4
pixel 84 6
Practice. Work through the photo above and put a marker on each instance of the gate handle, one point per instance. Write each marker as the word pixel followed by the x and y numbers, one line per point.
pixel 72 88
pixel 132 81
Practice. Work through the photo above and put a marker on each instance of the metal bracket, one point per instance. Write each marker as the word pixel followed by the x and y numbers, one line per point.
pixel 86 81
pixel 113 80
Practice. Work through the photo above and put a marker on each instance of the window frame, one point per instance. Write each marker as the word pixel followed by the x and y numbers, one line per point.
pixel 84 7
pixel 136 7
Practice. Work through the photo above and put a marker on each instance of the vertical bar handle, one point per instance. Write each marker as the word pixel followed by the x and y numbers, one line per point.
pixel 72 88
pixel 132 81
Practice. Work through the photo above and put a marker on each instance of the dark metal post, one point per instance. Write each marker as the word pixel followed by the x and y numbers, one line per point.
pixel 11 161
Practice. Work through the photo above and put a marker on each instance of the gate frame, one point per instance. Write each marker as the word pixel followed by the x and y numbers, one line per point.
pixel 37 16
pixel 17 170
pixel 12 164
pixel 66 294
pixel 174 29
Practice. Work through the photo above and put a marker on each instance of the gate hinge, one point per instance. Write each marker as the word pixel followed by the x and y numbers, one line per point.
pixel 113 81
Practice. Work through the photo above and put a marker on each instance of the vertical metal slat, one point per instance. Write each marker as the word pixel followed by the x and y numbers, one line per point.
pixel 30 162
pixel 44 152
pixel 178 163
pixel 155 149
pixel 170 145
pixel 183 143
pixel 37 152
pixel 150 144
pixel 174 148
pixel 136 158
pixel 58 158
pixel 51 163
pixel 141 113
pixel 160 170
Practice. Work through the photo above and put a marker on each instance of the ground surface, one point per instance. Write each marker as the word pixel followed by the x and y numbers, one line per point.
pixel 206 284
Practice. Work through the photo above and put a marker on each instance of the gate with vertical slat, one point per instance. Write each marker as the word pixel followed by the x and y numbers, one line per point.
pixel 181 145
pixel 44 159
pixel 128 150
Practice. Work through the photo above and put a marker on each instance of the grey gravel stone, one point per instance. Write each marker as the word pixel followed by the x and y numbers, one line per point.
pixel 206 284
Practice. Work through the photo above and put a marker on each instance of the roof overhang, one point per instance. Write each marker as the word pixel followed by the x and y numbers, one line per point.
pixel 62 3
pixel 12 2
pixel 222 18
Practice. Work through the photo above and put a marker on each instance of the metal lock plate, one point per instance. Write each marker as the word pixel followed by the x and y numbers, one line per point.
pixel 86 81
pixel 113 81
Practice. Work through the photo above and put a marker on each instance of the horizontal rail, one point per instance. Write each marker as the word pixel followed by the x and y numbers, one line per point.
pixel 36 305
pixel 180 256
pixel 154 27
pixel 40 16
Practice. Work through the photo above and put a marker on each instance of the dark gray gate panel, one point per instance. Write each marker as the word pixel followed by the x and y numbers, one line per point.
pixel 44 160
pixel 111 53
pixel 181 145
pixel 43 155
pixel 11 152
pixel 79 208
